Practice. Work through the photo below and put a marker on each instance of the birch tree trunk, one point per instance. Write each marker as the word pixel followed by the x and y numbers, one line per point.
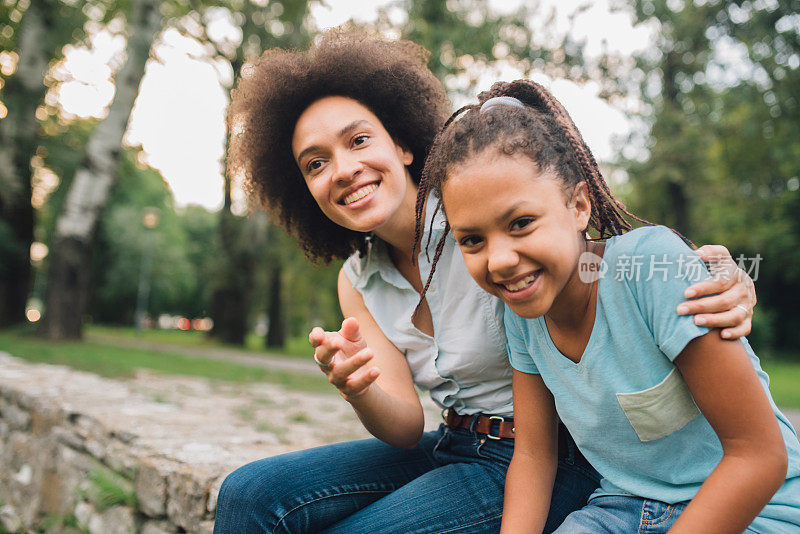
pixel 19 131
pixel 70 266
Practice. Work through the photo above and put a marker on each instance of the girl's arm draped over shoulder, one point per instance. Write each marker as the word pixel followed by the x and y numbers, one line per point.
pixel 532 471
pixel 728 392
pixel 371 373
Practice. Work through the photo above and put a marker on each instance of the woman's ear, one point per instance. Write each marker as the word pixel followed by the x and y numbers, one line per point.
pixel 406 156
pixel 581 205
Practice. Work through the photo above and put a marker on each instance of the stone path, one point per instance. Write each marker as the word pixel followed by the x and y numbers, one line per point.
pixel 270 362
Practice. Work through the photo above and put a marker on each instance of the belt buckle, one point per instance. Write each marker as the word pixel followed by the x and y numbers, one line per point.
pixel 495 418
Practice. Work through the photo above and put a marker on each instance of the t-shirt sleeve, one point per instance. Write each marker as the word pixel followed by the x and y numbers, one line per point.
pixel 518 351
pixel 667 267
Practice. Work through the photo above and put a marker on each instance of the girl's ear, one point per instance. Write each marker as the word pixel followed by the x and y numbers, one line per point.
pixel 581 205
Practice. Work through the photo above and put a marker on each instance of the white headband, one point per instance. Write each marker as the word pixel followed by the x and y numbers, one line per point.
pixel 501 101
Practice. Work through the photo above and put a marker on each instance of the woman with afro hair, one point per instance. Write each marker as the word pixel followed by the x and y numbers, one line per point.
pixel 333 141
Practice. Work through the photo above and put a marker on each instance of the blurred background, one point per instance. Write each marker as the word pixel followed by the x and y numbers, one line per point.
pixel 117 221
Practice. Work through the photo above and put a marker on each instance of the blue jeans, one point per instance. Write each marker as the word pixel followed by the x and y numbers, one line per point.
pixel 616 513
pixel 452 481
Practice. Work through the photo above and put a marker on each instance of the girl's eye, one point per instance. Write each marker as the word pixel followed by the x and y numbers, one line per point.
pixel 360 140
pixel 469 241
pixel 521 223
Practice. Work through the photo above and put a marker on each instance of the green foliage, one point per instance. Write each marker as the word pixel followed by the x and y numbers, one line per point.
pixel 110 489
pixel 123 240
pixel 723 161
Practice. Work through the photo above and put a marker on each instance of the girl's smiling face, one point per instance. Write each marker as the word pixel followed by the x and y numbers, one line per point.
pixel 520 235
pixel 353 168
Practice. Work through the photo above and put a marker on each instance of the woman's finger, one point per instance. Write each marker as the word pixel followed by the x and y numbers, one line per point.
pixel 316 336
pixel 347 366
pixel 324 358
pixel 738 331
pixel 350 330
pixel 358 383
pixel 722 302
pixel 726 319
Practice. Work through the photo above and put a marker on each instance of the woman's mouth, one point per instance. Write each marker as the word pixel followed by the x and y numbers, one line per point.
pixel 359 194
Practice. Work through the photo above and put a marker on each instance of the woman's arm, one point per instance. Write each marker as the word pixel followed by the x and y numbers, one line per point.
pixel 729 296
pixel 754 462
pixel 532 471
pixel 370 372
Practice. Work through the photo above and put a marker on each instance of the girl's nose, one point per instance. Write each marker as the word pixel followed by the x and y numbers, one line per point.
pixel 503 258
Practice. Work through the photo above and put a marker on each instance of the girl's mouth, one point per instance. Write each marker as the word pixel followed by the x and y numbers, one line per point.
pixel 522 288
pixel 359 194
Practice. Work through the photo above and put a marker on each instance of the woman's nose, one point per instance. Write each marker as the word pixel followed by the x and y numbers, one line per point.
pixel 347 167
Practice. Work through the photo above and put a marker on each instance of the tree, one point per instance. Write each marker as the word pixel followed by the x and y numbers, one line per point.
pixel 69 276
pixel 242 241
pixel 723 160
pixel 35 33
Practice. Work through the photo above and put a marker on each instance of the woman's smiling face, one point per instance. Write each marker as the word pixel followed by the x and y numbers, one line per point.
pixel 520 236
pixel 353 168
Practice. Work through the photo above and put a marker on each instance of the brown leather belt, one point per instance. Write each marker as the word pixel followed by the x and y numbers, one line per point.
pixel 494 426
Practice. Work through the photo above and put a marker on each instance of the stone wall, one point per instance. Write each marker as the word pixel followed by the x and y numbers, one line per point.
pixel 147 454
pixel 75 463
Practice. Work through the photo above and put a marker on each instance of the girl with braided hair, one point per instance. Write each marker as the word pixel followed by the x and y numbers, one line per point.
pixel 332 141
pixel 677 420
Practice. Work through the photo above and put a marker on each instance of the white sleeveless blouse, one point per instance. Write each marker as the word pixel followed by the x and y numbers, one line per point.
pixel 464 364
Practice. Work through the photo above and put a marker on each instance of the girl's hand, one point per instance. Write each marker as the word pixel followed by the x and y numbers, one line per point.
pixel 734 295
pixel 343 356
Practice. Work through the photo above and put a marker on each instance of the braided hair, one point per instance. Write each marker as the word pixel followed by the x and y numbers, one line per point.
pixel 543 131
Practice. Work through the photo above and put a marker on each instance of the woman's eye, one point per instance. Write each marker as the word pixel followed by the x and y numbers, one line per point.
pixel 469 241
pixel 313 165
pixel 360 140
pixel 521 223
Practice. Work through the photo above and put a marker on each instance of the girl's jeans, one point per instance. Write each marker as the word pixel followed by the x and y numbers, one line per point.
pixel 452 481
pixel 618 513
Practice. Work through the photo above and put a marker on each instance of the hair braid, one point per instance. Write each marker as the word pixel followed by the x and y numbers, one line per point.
pixel 424 188
pixel 436 256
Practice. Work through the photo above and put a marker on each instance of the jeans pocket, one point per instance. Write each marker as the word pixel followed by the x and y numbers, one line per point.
pixel 443 441
pixel 658 517
pixel 659 411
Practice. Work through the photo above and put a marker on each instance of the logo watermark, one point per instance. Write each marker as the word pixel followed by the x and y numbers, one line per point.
pixel 647 267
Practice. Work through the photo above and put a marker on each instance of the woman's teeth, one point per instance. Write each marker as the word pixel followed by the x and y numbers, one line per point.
pixel 522 284
pixel 361 193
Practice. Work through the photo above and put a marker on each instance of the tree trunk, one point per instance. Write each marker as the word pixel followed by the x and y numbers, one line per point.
pixel 19 130
pixel 276 335
pixel 89 193
pixel 230 302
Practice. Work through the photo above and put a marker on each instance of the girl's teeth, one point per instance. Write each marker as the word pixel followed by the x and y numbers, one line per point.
pixel 361 193
pixel 522 284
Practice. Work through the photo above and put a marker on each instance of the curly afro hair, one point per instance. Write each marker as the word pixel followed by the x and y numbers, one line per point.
pixel 390 78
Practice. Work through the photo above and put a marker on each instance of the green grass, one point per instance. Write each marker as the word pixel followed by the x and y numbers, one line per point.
pixel 296 347
pixel 110 489
pixel 784 382
pixel 119 362
pixel 113 361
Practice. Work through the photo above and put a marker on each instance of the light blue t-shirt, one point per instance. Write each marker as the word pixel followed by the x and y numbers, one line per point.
pixel 625 402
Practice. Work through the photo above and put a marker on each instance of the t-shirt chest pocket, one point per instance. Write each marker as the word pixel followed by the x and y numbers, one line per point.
pixel 659 411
